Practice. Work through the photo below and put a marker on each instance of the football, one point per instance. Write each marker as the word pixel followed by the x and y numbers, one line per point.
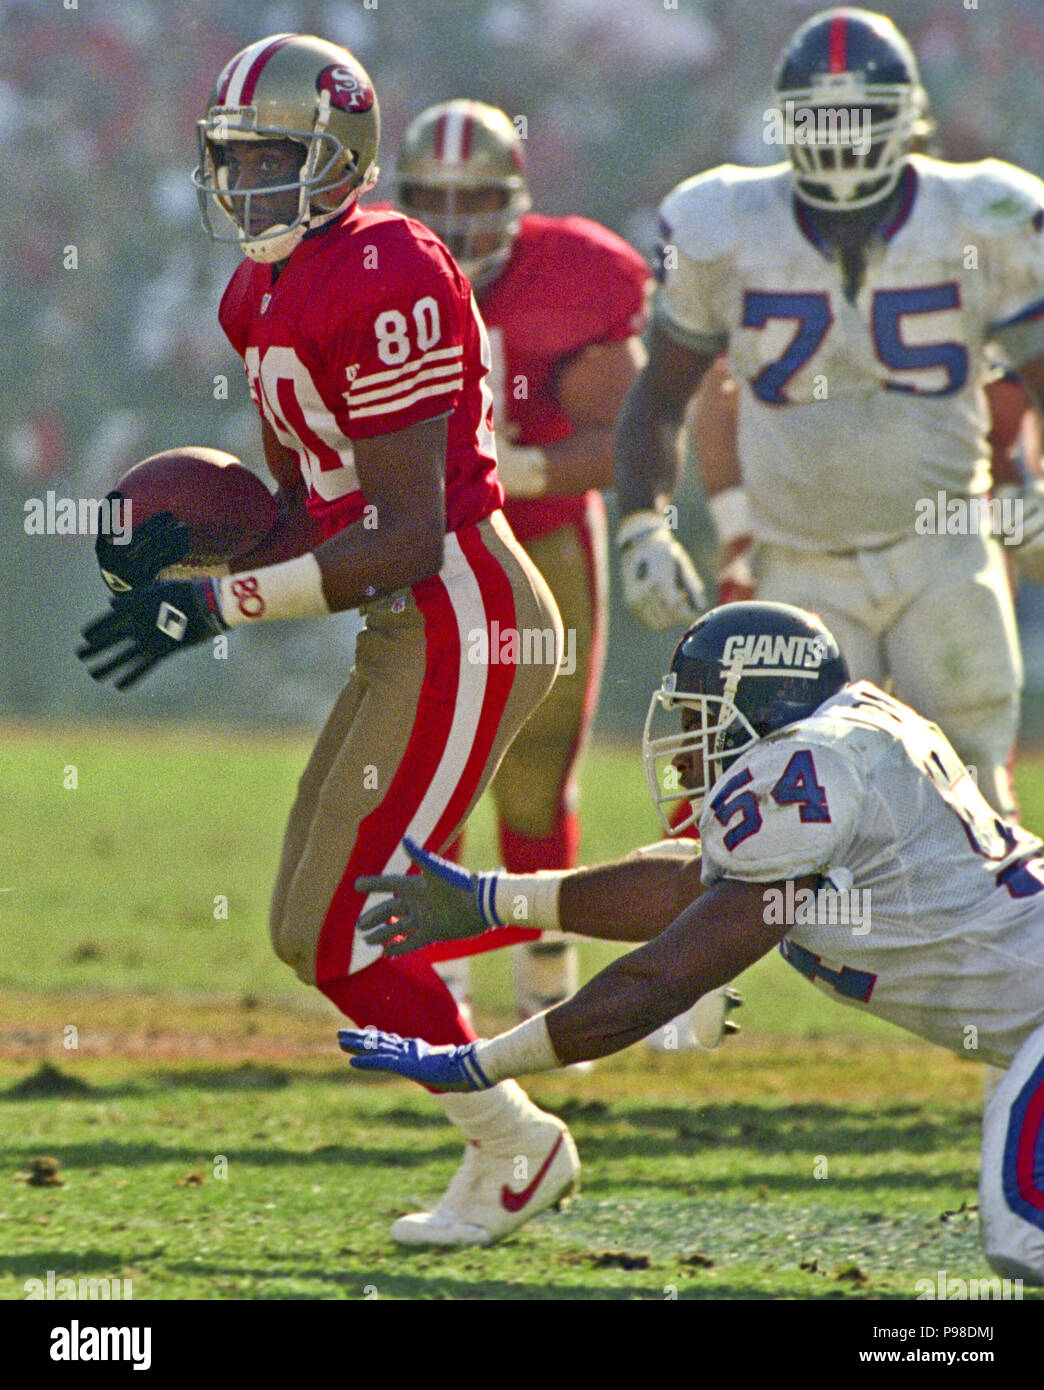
pixel 228 508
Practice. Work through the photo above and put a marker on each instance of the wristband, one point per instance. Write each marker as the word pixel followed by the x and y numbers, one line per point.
pixel 521 900
pixel 293 589
pixel 522 469
pixel 523 1050
pixel 730 512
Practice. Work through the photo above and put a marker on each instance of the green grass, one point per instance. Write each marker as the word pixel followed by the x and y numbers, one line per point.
pixel 705 1198
pixel 703 1178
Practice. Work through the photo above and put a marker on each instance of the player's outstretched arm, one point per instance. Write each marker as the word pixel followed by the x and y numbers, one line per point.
pixel 712 941
pixel 631 900
pixel 660 582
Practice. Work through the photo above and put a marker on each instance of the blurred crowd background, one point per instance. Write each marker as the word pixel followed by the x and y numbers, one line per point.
pixel 109 288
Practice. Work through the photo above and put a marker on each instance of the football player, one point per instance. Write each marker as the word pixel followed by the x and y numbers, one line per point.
pixel 855 287
pixel 367 361
pixel 563 300
pixel 1013 440
pixel 834 822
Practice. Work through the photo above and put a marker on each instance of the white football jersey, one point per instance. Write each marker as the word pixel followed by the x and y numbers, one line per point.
pixel 930 912
pixel 850 413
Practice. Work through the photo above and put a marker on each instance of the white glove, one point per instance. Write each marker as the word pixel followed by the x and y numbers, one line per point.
pixel 521 470
pixel 1024 507
pixel 660 582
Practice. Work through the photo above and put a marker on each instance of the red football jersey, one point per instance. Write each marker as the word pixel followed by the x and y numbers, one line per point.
pixel 568 283
pixel 369 328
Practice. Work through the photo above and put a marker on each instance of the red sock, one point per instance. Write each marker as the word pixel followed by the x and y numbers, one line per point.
pixel 525 854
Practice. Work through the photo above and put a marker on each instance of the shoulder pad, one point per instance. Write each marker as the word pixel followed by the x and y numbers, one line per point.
pixel 993 198
pixel 700 216
pixel 785 808
pixel 578 283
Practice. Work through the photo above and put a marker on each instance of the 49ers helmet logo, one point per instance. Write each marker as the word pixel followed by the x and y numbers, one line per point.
pixel 349 90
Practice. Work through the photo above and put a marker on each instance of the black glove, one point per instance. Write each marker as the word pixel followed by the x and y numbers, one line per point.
pixel 149 624
pixel 155 544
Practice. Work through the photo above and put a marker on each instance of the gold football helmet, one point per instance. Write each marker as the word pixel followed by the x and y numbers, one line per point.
pixel 461 171
pixel 288 87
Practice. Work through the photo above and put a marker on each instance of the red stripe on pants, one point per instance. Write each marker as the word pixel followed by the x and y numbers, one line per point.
pixel 380 832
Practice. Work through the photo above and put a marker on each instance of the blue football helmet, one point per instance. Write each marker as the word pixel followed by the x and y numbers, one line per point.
pixel 741 671
pixel 843 69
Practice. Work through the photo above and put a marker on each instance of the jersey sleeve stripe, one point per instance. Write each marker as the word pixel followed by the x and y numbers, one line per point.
pixel 401 402
pixel 386 392
pixel 435 355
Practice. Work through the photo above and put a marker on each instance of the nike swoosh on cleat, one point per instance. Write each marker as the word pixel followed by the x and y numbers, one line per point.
pixel 515 1201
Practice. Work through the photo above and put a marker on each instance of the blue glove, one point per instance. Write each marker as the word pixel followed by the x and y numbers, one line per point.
pixel 445 1068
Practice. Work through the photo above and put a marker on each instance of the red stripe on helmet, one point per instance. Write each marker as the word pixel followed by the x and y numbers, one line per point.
pixel 837 44
pixel 225 80
pixel 440 136
pixel 465 137
pixel 257 66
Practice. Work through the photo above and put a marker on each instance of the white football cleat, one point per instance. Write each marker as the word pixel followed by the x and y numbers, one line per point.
pixel 701 1028
pixel 499 1186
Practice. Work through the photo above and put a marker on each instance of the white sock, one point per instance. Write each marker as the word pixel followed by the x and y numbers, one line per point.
pixel 489 1115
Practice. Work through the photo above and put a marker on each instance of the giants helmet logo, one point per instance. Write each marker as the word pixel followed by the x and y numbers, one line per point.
pixel 349 90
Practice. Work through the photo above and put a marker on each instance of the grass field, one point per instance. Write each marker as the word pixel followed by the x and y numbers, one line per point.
pixel 208 1141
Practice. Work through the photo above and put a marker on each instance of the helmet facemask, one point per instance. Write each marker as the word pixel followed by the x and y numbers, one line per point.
pixel 326 169
pixel 718 733
pixel 462 231
pixel 849 141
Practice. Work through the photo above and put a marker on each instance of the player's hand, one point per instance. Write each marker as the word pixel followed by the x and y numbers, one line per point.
pixel 736 583
pixel 155 544
pixel 660 582
pixel 445 1068
pixel 522 470
pixel 147 625
pixel 1025 506
pixel 441 903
